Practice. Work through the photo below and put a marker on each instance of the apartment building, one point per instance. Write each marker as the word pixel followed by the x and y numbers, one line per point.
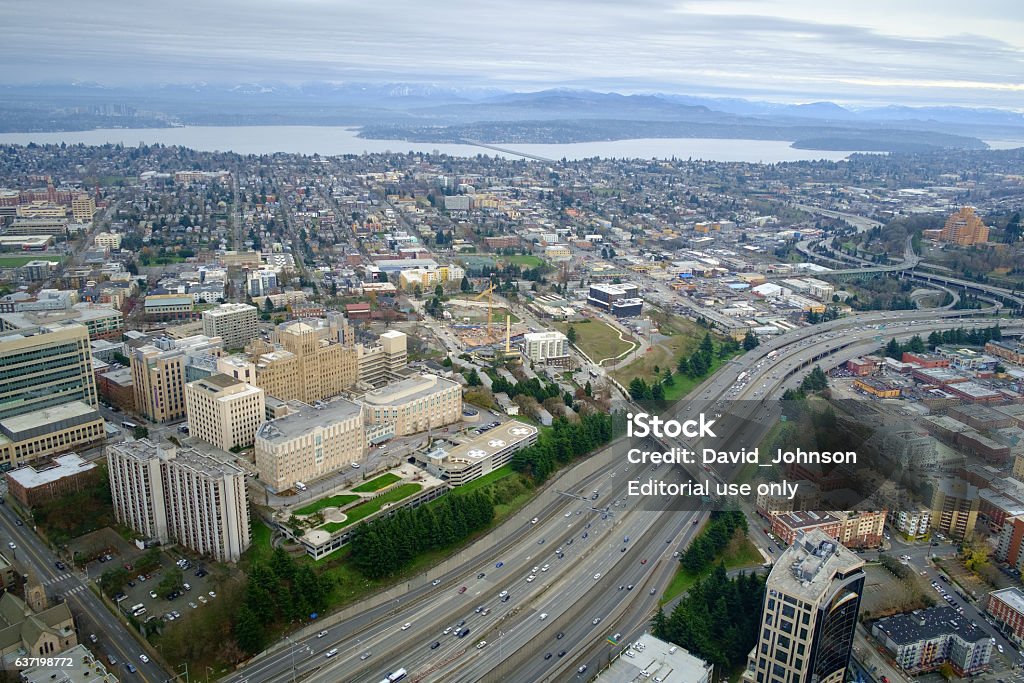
pixel 83 208
pixel 812 599
pixel 223 411
pixel 159 372
pixel 620 300
pixel 236 324
pixel 415 404
pixel 305 365
pixel 550 348
pixel 1006 606
pixel 310 442
pixel 169 307
pixel 925 639
pixel 384 361
pixel 964 228
pixel 954 509
pixel 181 495
pixel 913 523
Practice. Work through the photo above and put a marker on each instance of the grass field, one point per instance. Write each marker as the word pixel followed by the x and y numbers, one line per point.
pixel 377 484
pixel 524 260
pixel 332 502
pixel 486 480
pixel 740 554
pixel 597 339
pixel 683 338
pixel 363 511
pixel 18 261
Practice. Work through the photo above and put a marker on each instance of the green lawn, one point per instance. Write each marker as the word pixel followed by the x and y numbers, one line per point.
pixel 377 484
pixel 486 480
pixel 261 547
pixel 18 261
pixel 740 554
pixel 332 502
pixel 363 511
pixel 523 260
pixel 598 339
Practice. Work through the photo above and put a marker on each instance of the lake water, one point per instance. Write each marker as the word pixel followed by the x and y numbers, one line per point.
pixel 333 140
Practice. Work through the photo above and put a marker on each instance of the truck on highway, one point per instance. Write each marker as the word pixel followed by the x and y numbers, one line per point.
pixel 397 675
pixel 742 376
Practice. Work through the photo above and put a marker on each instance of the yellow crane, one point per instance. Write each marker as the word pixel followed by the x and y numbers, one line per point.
pixel 490 303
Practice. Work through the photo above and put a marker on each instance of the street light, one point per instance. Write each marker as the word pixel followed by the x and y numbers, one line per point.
pixel 292 643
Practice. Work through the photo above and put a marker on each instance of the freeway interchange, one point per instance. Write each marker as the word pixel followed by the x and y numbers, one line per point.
pixel 584 591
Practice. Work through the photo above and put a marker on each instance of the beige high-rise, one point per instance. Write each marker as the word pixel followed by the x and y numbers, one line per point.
pixel 224 411
pixel 236 324
pixel 158 373
pixel 46 367
pixel 415 404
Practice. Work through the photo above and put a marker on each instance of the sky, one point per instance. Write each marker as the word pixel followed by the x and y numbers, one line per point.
pixel 902 52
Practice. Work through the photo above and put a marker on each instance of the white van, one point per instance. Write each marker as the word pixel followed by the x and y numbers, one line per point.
pixel 299 486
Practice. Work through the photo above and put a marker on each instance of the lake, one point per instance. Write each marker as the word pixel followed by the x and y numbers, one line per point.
pixel 333 140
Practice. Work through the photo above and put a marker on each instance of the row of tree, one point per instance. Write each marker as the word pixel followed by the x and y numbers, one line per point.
pixel 713 539
pixel 718 620
pixel 561 444
pixel 387 545
pixel 278 591
pixel 531 387
pixel 816 380
pixel 962 336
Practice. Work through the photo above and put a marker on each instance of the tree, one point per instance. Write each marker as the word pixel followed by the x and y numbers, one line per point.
pixel 638 389
pixel 658 392
pixel 268 305
pixel 570 334
pixel 588 389
pixel 706 345
pixel 249 631
pixel 439 291
pixel 140 433
pixel 750 341
pixel 465 285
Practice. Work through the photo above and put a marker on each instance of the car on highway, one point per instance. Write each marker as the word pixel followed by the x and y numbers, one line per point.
pixel 321 634
pixel 597 576
pixel 547 656
pixel 462 590
pixel 581 669
pixel 561 634
pixel 481 645
pixel 481 575
pixel 330 653
pixel 131 667
pixel 502 594
pixel 561 653
pixel 543 616
pixel 596 621
pixel 144 659
pixel 363 657
pixel 643 561
pixel 435 582
pixel 21 523
pixel 499 565
pixel 436 644
pixel 10 544
pixel 534 520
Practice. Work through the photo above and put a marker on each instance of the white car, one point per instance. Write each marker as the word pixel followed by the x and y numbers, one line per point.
pixel 481 645
pixel 543 616
pixel 597 576
pixel 144 659
pixel 406 625
pixel 534 520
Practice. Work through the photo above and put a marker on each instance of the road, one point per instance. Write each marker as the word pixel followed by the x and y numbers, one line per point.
pixel 522 638
pixel 91 615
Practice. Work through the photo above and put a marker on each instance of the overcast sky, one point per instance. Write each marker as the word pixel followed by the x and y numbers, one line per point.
pixel 899 51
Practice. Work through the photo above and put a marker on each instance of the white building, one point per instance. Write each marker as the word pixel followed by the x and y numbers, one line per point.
pixel 546 347
pixel 182 495
pixel 224 411
pixel 236 324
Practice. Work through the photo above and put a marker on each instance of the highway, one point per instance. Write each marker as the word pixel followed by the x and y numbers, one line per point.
pixel 517 639
pixel 91 615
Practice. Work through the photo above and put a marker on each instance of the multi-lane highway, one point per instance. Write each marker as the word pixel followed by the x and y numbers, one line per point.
pixel 517 639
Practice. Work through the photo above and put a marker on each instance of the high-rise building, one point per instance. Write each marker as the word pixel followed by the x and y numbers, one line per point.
pixel 415 404
pixel 306 365
pixel 236 324
pixel 159 374
pixel 809 616
pixel 310 442
pixel 224 411
pixel 384 361
pixel 964 228
pixel 43 367
pixel 83 207
pixel 182 495
pixel 954 508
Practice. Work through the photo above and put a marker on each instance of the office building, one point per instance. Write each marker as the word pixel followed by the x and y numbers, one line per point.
pixel 310 442
pixel 481 455
pixel 83 207
pixel 169 307
pixel 549 348
pixel 159 374
pixel 57 227
pixel 181 495
pixel 34 484
pixel 809 617
pixel 223 411
pixel 924 640
pixel 102 321
pixel 305 365
pixel 1006 606
pixel 108 240
pixel 383 362
pixel 954 508
pixel 620 300
pixel 649 658
pixel 46 367
pixel 236 324
pixel 49 431
pixel 415 404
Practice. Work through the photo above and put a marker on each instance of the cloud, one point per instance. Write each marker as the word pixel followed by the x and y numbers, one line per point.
pixel 788 49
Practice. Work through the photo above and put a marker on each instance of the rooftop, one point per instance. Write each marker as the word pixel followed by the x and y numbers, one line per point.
pixel 489 443
pixel 928 624
pixel 807 567
pixel 49 419
pixel 664 661
pixel 1012 596
pixel 408 389
pixel 58 468
pixel 305 418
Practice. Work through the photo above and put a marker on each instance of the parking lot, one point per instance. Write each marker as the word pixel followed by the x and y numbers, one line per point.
pixel 196 589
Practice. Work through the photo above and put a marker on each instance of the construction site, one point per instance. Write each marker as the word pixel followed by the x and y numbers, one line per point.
pixel 484 321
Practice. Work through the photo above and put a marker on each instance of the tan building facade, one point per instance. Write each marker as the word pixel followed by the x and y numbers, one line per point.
pixel 964 228
pixel 223 411
pixel 236 324
pixel 45 367
pixel 309 443
pixel 415 404
pixel 158 374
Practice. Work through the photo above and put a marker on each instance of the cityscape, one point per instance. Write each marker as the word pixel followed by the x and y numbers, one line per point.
pixel 472 403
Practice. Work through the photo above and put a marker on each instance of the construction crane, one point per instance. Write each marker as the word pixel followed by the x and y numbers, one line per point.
pixel 490 303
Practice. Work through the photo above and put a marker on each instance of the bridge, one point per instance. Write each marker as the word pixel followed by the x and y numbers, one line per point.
pixel 506 150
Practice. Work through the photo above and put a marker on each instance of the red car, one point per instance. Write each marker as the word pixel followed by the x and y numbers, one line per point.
pixel 462 590
pixel 643 561
pixel 885 679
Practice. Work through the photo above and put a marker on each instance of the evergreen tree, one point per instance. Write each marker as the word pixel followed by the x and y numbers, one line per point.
pixel 750 341
pixel 570 334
